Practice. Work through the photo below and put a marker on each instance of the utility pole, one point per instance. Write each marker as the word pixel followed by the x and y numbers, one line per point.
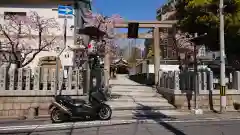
pixel 196 90
pixel 223 100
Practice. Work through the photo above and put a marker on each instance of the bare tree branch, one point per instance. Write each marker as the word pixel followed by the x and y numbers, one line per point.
pixel 19 36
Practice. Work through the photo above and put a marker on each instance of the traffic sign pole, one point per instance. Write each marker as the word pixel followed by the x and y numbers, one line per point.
pixel 58 56
pixel 65 11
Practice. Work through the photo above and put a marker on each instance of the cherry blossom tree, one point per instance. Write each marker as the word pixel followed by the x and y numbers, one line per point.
pixel 106 34
pixel 24 37
pixel 183 43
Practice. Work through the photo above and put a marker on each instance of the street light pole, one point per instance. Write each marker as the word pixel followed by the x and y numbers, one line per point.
pixel 222 60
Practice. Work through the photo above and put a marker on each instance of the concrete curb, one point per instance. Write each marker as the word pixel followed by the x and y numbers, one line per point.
pixel 143 108
pixel 62 126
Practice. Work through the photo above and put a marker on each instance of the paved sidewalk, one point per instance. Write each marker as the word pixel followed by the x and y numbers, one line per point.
pixel 212 115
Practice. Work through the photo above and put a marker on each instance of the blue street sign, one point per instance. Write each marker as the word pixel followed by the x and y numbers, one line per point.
pixel 65 10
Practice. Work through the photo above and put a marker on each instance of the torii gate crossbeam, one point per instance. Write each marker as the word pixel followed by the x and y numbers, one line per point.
pixel 140 35
pixel 148 24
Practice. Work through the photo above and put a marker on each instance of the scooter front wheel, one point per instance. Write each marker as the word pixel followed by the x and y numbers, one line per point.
pixel 105 112
pixel 57 116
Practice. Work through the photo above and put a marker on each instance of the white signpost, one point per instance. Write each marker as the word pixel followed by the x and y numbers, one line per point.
pixel 64 11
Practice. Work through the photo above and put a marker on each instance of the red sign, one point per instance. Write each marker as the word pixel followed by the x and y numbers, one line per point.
pixel 89 46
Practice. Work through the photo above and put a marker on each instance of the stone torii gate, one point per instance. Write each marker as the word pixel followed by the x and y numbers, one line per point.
pixel 156 26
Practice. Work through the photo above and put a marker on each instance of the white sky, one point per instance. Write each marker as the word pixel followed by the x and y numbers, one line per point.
pixel 125 42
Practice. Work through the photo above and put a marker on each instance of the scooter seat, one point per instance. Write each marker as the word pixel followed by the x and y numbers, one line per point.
pixel 79 101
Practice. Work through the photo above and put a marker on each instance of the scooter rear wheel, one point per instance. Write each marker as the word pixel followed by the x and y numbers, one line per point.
pixel 57 116
pixel 105 112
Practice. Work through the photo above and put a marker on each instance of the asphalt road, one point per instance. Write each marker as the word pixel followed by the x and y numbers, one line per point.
pixel 224 127
pixel 4 123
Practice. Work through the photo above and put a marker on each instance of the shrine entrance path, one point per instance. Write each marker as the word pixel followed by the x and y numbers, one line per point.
pixel 134 99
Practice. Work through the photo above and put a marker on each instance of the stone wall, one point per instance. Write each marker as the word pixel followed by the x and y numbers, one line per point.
pixel 21 107
pixel 206 101
pixel 178 88
pixel 24 93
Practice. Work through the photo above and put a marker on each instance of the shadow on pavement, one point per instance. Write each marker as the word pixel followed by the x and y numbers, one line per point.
pixel 211 102
pixel 145 79
pixel 115 96
pixel 159 118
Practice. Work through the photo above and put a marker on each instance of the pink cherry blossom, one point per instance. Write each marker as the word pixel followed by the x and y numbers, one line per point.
pixel 106 25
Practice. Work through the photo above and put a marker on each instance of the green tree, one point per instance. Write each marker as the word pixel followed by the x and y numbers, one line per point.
pixel 202 16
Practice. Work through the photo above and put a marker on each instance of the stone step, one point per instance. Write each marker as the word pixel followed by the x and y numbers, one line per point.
pixel 124 81
pixel 129 85
pixel 133 90
pixel 140 94
pixel 140 106
pixel 138 99
pixel 148 113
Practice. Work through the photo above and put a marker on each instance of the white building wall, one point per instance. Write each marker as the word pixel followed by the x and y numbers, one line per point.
pixel 47 11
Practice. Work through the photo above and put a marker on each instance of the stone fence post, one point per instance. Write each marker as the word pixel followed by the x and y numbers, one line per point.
pixel 159 77
pixel 37 77
pixel 176 80
pixel 12 79
pixel 181 81
pixel 69 78
pixel 210 80
pixel 20 79
pixel 3 78
pixel 236 80
pixel 169 79
pixel 199 82
pixel 204 80
pixel 28 79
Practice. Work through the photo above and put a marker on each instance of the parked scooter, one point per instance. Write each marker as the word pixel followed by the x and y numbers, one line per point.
pixel 64 108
